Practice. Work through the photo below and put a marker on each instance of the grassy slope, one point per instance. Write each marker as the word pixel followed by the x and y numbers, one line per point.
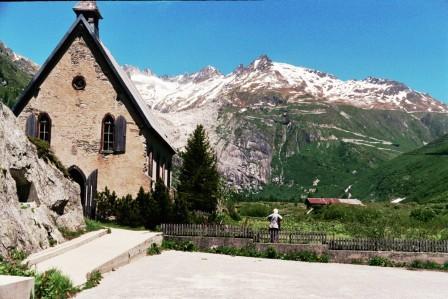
pixel 375 220
pixel 12 81
pixel 301 154
pixel 420 175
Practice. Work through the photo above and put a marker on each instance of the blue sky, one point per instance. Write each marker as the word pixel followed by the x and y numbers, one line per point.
pixel 404 40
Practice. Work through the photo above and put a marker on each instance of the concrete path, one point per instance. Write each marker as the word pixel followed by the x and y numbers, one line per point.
pixel 176 274
pixel 104 254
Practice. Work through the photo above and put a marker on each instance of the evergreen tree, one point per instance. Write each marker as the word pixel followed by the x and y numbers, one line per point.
pixel 161 197
pixel 180 213
pixel 199 177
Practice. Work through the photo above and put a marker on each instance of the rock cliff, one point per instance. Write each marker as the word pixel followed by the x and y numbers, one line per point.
pixel 36 200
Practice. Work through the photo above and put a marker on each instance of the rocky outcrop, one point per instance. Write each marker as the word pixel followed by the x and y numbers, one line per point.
pixel 36 200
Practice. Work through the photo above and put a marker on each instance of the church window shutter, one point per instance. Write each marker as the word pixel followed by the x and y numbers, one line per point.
pixel 30 129
pixel 120 135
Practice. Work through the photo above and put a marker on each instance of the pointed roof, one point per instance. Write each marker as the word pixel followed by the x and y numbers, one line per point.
pixel 81 26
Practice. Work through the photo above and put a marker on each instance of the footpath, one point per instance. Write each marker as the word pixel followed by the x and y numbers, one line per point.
pixel 95 251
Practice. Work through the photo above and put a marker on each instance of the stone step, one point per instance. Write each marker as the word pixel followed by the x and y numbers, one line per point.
pixel 102 254
pixel 63 247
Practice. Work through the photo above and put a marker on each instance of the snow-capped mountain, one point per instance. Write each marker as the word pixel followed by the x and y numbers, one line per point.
pixel 281 127
pixel 293 84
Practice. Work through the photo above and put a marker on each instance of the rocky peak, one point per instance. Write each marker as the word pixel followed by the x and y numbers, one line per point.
pixel 205 73
pixel 262 63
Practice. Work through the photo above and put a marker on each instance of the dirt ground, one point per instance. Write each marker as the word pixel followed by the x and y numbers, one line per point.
pixel 175 274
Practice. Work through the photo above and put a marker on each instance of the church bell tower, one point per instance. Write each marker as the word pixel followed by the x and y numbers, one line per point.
pixel 91 13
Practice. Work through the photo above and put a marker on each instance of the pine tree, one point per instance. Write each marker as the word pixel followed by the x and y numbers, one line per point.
pixel 161 197
pixel 199 177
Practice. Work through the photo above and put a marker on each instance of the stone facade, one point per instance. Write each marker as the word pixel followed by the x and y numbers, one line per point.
pixel 76 121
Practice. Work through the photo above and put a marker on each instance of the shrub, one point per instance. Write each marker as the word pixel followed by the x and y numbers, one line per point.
pixel 423 214
pixel 93 280
pixel 255 210
pixel 380 261
pixel 271 253
pixel 419 264
pixel 182 246
pixel 153 250
pixel 106 204
pixel 53 284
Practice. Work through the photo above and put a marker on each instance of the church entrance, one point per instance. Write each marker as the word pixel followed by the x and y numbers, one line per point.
pixel 88 188
pixel 78 176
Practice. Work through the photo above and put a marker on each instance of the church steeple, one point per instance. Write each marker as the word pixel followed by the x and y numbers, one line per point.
pixel 90 11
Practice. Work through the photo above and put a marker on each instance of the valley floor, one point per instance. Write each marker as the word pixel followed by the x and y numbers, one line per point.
pixel 175 274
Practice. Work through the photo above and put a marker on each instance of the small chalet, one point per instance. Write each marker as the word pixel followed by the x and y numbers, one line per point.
pixel 318 202
pixel 84 105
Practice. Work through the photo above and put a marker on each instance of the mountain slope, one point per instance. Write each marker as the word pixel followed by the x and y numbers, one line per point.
pixel 284 131
pixel 15 73
pixel 420 175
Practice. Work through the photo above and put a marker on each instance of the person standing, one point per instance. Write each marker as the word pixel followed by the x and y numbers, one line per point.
pixel 274 225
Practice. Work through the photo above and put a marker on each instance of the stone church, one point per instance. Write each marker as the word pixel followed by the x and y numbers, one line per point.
pixel 83 104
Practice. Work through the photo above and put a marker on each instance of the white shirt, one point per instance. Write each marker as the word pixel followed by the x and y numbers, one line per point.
pixel 274 218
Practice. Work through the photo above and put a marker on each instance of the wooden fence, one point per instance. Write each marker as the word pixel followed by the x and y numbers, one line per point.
pixel 296 237
pixel 204 230
pixel 389 245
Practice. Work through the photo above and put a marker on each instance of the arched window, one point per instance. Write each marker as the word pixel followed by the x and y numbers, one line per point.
pixel 44 127
pixel 108 134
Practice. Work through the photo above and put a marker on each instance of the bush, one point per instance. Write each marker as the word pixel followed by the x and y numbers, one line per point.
pixel 106 204
pixel 271 253
pixel 430 265
pixel 53 284
pixel 380 261
pixel 93 280
pixel 153 250
pixel 255 210
pixel 423 214
pixel 182 246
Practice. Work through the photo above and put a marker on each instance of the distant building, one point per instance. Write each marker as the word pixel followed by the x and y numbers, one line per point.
pixel 318 202
pixel 83 104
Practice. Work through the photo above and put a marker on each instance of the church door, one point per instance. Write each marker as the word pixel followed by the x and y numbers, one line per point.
pixel 78 176
pixel 91 194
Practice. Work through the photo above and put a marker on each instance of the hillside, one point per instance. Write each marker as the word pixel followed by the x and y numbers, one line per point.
pixel 15 73
pixel 284 131
pixel 420 175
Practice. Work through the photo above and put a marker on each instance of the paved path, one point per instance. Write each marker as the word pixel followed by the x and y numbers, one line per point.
pixel 78 262
pixel 176 274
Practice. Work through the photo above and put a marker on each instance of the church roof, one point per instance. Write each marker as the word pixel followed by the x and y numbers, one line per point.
pixel 135 98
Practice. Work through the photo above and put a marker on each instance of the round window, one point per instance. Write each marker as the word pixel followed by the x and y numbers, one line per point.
pixel 79 83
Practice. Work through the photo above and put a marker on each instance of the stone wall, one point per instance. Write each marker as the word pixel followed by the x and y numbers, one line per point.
pixel 77 116
pixel 336 256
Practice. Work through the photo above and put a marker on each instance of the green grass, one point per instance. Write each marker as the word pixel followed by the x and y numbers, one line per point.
pixel 91 225
pixel 111 224
pixel 49 284
pixel 420 176
pixel 375 220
